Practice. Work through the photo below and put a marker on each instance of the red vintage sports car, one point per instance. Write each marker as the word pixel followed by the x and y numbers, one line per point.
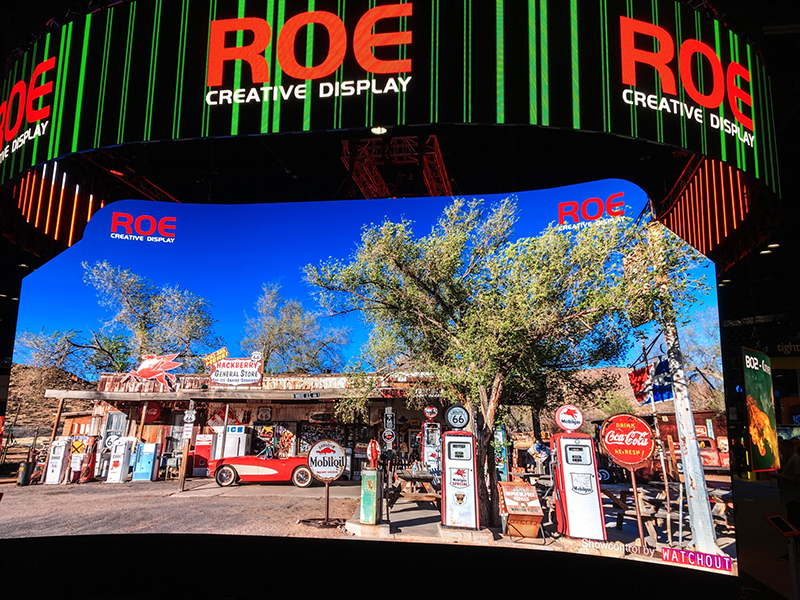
pixel 261 468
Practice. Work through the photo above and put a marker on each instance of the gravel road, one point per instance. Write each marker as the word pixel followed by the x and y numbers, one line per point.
pixel 158 507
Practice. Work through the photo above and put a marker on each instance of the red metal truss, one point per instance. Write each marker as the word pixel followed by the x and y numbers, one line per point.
pixel 372 153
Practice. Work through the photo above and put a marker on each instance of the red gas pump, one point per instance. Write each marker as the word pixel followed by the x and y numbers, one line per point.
pixel 579 508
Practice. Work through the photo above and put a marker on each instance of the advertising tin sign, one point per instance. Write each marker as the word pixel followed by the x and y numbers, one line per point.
pixel 569 417
pixel 627 439
pixel 327 460
pixel 236 372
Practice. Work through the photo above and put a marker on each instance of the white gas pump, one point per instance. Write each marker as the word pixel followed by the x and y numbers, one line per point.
pixel 57 461
pixel 459 481
pixel 431 450
pixel 120 460
pixel 579 508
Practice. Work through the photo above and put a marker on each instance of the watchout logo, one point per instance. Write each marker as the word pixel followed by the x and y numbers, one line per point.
pixel 143 228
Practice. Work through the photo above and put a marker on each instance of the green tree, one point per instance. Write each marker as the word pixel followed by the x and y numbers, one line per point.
pixel 153 320
pixel 291 338
pixel 489 318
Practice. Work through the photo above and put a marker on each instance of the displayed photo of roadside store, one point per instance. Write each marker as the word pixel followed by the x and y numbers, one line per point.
pixel 437 342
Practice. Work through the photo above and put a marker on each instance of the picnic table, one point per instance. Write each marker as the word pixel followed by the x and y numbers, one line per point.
pixel 416 486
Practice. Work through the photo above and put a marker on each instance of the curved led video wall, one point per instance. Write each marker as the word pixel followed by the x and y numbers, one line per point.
pixel 155 70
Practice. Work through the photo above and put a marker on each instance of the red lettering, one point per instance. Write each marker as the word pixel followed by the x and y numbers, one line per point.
pixel 336 48
pixel 218 53
pixel 585 213
pixel 611 206
pixel 137 225
pixel 37 91
pixel 167 224
pixel 18 90
pixel 567 208
pixel 688 49
pixel 736 93
pixel 121 220
pixel 631 55
pixel 364 40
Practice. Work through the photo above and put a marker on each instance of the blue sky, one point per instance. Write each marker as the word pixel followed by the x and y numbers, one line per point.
pixel 225 252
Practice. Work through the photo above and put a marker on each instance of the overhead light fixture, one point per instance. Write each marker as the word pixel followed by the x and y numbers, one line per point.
pixel 23 265
pixel 774 246
pixel 379 130
pixel 721 285
pixel 17 299
pixel 766 252
pixel 726 281
pixel 3 296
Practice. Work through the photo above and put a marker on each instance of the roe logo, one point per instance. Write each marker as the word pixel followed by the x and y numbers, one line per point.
pixel 125 226
pixel 592 209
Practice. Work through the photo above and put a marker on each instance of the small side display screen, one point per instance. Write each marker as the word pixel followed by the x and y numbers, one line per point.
pixel 578 455
pixel 459 451
pixel 782 524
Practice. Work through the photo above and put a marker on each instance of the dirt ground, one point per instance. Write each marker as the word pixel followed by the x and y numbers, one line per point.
pixel 155 507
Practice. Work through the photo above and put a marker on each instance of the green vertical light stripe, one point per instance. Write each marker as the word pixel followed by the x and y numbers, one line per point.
pixel 776 175
pixel 681 92
pixel 467 73
pixel 63 87
pixel 337 100
pixel 723 148
pixel 237 75
pixel 533 87
pixel 126 74
pixel 434 83
pixel 604 80
pixel 403 54
pixel 576 71
pixel 698 35
pixel 265 104
pixel 178 103
pixel 206 118
pixel 151 83
pixel 732 50
pixel 101 94
pixel 634 114
pixel 20 158
pixel 753 114
pixel 368 97
pixel 544 63
pixel 45 56
pixel 768 131
pixel 55 115
pixel 309 63
pixel 81 82
pixel 499 59
pixel 276 106
pixel 659 116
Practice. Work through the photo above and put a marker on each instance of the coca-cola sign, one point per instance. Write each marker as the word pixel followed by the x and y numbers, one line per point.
pixel 627 439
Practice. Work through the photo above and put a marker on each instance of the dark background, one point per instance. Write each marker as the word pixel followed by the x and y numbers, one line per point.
pixel 479 160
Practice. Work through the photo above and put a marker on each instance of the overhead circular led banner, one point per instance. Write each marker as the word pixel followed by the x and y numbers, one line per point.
pixel 155 70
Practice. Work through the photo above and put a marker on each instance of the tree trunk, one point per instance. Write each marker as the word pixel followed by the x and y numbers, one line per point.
pixel 701 521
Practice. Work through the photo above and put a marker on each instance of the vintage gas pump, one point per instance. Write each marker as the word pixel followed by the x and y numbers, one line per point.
pixel 145 467
pixel 57 462
pixel 119 461
pixel 579 509
pixel 459 477
pixel 431 450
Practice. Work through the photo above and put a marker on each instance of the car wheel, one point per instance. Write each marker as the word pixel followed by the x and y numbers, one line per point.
pixel 302 477
pixel 226 476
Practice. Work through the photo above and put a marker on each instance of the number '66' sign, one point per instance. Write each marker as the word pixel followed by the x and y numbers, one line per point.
pixel 456 416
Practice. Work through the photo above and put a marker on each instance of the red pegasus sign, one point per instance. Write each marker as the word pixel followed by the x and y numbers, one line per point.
pixel 156 367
